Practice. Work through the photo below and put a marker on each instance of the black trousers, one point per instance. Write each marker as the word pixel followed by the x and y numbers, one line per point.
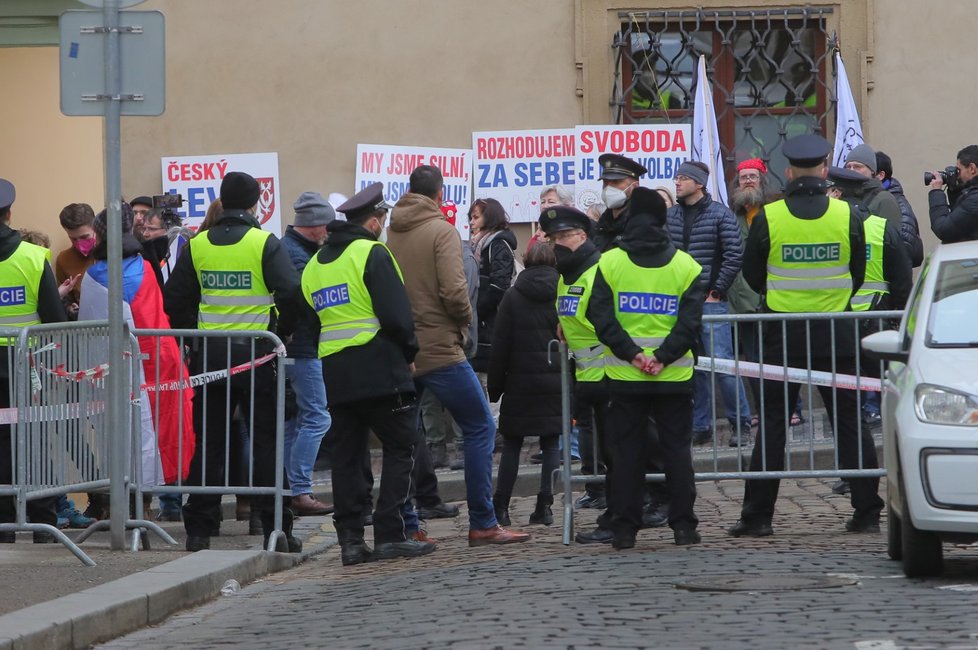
pixel 214 406
pixel 394 422
pixel 39 511
pixel 629 450
pixel 761 494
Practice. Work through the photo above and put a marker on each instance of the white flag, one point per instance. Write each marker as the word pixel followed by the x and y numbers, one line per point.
pixel 848 131
pixel 706 138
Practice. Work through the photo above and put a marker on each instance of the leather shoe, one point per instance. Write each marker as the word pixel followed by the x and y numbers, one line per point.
pixel 421 535
pixel 622 540
pixel 702 437
pixel 307 504
pixel 747 529
pixel 841 487
pixel 652 517
pixel 407 548
pixel 440 511
pixel 863 525
pixel 596 536
pixel 198 543
pixel 292 545
pixel 686 536
pixel 497 535
pixel 42 537
pixel 355 552
pixel 595 501
pixel 254 523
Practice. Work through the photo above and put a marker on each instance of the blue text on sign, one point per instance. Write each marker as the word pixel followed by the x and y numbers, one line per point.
pixel 648 303
pixel 331 296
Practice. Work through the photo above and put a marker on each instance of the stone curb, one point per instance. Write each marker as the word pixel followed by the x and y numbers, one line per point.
pixel 116 608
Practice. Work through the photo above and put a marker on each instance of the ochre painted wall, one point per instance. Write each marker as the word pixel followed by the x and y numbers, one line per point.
pixel 53 160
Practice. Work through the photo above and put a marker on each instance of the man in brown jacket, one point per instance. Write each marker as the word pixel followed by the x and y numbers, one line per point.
pixel 429 252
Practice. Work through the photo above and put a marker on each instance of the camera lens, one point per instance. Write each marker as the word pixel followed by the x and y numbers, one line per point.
pixel 928 178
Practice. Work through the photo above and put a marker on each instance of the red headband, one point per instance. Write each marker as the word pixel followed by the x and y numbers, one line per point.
pixel 753 163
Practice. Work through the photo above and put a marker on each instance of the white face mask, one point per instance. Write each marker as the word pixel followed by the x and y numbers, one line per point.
pixel 382 237
pixel 613 197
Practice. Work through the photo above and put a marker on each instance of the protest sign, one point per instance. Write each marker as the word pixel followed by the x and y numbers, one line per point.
pixel 513 167
pixel 660 148
pixel 198 180
pixel 392 165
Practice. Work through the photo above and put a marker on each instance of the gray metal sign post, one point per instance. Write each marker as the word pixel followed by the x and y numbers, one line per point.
pixel 78 41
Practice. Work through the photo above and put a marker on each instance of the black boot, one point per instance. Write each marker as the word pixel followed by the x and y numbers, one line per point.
pixel 501 505
pixel 353 550
pixel 543 514
pixel 267 519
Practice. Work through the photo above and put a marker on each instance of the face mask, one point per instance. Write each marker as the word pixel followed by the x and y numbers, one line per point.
pixel 84 246
pixel 613 197
pixel 565 257
pixel 382 237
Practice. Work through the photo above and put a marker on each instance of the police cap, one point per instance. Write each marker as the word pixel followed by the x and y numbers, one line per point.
pixel 7 193
pixel 615 167
pixel 808 150
pixel 846 178
pixel 562 217
pixel 365 202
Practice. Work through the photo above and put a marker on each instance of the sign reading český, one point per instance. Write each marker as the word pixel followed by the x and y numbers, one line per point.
pixel 198 180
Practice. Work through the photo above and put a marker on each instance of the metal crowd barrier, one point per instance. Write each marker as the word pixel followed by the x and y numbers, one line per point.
pixel 61 441
pixel 217 357
pixel 809 446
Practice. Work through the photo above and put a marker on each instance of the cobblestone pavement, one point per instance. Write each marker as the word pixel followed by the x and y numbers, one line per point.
pixel 545 595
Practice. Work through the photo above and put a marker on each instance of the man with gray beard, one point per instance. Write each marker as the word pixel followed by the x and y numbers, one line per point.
pixel 748 192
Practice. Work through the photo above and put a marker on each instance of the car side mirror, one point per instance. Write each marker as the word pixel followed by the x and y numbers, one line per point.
pixel 886 345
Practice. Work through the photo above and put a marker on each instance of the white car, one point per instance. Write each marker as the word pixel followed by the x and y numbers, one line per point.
pixel 930 412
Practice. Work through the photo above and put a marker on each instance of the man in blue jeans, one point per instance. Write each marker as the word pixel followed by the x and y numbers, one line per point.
pixel 304 431
pixel 707 230
pixel 429 252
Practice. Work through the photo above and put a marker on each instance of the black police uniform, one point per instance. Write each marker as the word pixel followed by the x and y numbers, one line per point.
pixel 806 198
pixel 609 229
pixel 370 387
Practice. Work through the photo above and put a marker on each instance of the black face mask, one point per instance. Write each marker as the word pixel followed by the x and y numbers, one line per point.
pixel 565 258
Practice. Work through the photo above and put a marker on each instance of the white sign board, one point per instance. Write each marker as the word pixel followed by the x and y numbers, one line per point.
pixel 660 148
pixel 513 167
pixel 392 165
pixel 198 180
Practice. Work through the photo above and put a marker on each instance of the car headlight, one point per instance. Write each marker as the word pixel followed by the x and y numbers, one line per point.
pixel 939 405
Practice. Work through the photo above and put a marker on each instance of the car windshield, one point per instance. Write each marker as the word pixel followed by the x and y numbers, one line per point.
pixel 951 323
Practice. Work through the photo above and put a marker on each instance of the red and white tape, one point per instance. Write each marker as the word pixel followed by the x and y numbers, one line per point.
pixel 792 375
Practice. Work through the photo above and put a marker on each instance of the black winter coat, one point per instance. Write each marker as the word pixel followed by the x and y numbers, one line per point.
pixel 518 370
pixel 709 232
pixel 958 221
pixel 305 338
pixel 496 264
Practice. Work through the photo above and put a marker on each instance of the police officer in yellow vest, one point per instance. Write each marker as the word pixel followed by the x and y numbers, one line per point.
pixel 577 260
pixel 806 253
pixel 367 345
pixel 28 296
pixel 889 278
pixel 647 302
pixel 233 276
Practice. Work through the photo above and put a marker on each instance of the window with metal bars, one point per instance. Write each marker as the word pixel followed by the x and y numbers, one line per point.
pixel 769 70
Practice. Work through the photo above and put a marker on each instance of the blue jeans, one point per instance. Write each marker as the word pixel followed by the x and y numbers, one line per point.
pixel 718 343
pixel 459 391
pixel 305 431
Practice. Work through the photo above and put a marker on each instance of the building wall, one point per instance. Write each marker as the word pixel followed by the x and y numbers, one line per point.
pixel 312 79
pixel 922 105
pixel 52 160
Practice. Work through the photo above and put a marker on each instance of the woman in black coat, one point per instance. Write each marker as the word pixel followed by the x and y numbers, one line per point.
pixel 519 371
pixel 494 245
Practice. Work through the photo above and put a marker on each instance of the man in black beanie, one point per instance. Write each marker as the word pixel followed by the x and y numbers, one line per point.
pixel 234 276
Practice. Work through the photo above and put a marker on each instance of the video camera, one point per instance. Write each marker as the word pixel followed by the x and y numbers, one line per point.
pixel 949 176
pixel 168 202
